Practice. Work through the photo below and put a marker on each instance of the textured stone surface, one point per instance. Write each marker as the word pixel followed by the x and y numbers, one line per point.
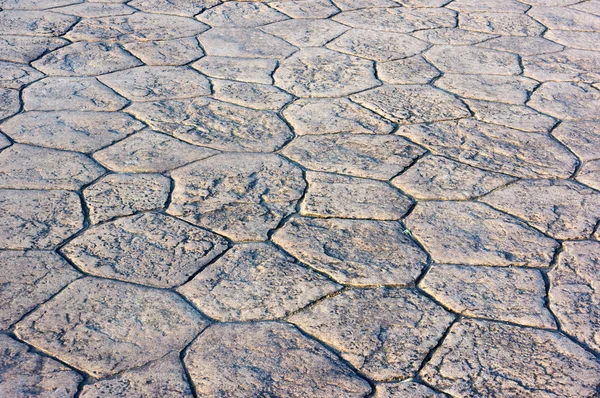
pixel 583 138
pixel 96 10
pixel 506 89
pixel 25 49
pixel 561 18
pixel 244 43
pixel 402 19
pixel 186 8
pixel 569 65
pixel 166 52
pixel 568 101
pixel 510 24
pixel 572 39
pixel 452 36
pixel 306 32
pixel 524 46
pixel 251 95
pixel 405 389
pixel 513 116
pixel 473 60
pixel 414 70
pixel 234 14
pixel 16 75
pixel 589 174
pixel 9 102
pixel 301 9
pixel 249 70
pixel 34 23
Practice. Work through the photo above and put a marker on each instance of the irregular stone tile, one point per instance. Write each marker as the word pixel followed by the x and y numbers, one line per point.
pixel 354 252
pixel 346 5
pixel 267 359
pixel 167 52
pixel 38 219
pixel 34 4
pixel 501 23
pixel 17 75
pixel 24 49
pixel 573 293
pixel 507 89
pixel 25 373
pixel 70 130
pixel 251 95
pixel 96 10
pixel 306 32
pixel 125 194
pixel 505 294
pixel 255 281
pixel 480 358
pixel 162 378
pixel 513 116
pixel 235 14
pixel 568 65
pixel 332 116
pixel 573 39
pixel 216 124
pixel 452 36
pixel 472 233
pixel 567 101
pixel 35 23
pixel 241 69
pixel 104 327
pixel 525 46
pixel 67 93
pixel 401 19
pixel 153 83
pixel 318 72
pixel 473 60
pixel 86 59
pixel 384 333
pixel 508 6
pixel 28 279
pixel 583 138
pixel 557 3
pixel 242 196
pixel 30 167
pixel 9 102
pixel 4 142
pixel 562 18
pixel 405 389
pixel 300 9
pixel 590 6
pixel 412 103
pixel 185 8
pixel 244 43
pixel 150 152
pixel 369 156
pixel 495 148
pixel 413 70
pixel 435 177
pixel 423 3
pixel 589 174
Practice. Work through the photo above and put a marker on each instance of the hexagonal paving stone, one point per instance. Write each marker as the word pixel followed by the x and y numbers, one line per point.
pixel 9 102
pixel 255 281
pixel 473 60
pixel 566 19
pixel 346 5
pixel 413 70
pixel 452 36
pixel 403 20
pixel 508 6
pixel 574 39
pixel 35 23
pixel 166 52
pixel 258 70
pixel 306 32
pixel 568 65
pixel 583 138
pixel 300 9
pixel 384 333
pixel 405 389
pixel 472 233
pixel 508 89
pixel 96 10
pixel 568 101
pixel 267 359
pixel 242 196
pixel 513 116
pixel 524 46
pixel 15 76
pixel 510 24
pixel 244 43
pixel 480 358
pixel 185 8
pixel 235 14
pixel 24 49
pixel 354 252
pixel 105 327
pixel 251 95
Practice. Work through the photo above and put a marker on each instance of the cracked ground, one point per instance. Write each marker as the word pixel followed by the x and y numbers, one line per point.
pixel 299 198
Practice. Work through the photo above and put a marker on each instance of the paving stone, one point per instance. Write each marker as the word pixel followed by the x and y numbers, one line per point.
pixel 150 152
pixel 240 15
pixel 495 148
pixel 96 10
pixel 4 142
pixel 560 3
pixel 480 358
pixel 251 95
pixel 167 52
pixel 125 194
pixel 439 178
pixel 583 138
pixel 473 60
pixel 104 327
pixel 241 196
pixel 30 167
pixel 507 89
pixel 244 43
pixel 267 359
pixel 185 8
pixel 318 72
pixel 573 39
pixel 34 4
pixel 590 6
pixel 241 69
pixel 331 116
pixel 568 65
pixel 525 46
pixel 34 23
pixel 25 373
pixel 472 233
pixel 216 124
pixel 306 32
pixel 28 279
pixel 452 36
pixel 573 291
pixel 401 19
pixel 508 6
pixel 423 3
pixel 300 9
pixel 384 333
pixel 67 93
pixel 413 70
pixel 24 49
pixel 86 59
pixel 562 18
pixel 346 5
pixel 513 116
pixel 567 101
pixel 163 378
pixel 405 389
pixel 38 219
pixel 9 102
pixel 407 104
pixel 255 281
pixel 368 156
pixel 15 76
pixel 589 174
pixel 509 24
pixel 153 83
pixel 70 130
pixel 505 294
pixel 353 252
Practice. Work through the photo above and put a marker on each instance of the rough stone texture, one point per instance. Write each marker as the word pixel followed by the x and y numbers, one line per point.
pixel 34 23
pixel 583 138
pixel 301 9
pixel 480 358
pixel 15 76
pixel 354 252
pixel 9 102
pixel 244 43
pixel 384 333
pixel 403 20
pixel 589 174
pixel 233 14
pixel 249 70
pixel 505 89
pixel 306 32
pixel 452 36
pixel 185 8
pixel 405 389
pixel 568 101
pixel 414 70
pixel 561 18
pixel 105 327
pixel 510 24
pixel 473 60
pixel 96 10
pixel 24 49
pixel 346 5
pixel 34 4
pixel 513 116
pixel 508 6
pixel 267 358
pixel 251 95
pixel 524 46
pixel 166 53
pixel 572 39
pixel 568 65
pixel 255 281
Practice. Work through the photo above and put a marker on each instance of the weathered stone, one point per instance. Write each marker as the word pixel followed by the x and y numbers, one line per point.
pixel 589 174
pixel 38 219
pixel 438 178
pixel 354 252
pixel 510 24
pixel 300 9
pixel 407 104
pixel 251 95
pixel 70 130
pixel 34 4
pixel 234 14
pixel 384 333
pixel 29 167
pixel 405 389
pixel 513 116
pixel 472 233
pixel 306 32
pixel 241 196
pixel 318 72
pixel 573 39
pixel 185 8
pixel 166 52
pixel 346 5
pixel 589 6
pixel 267 358
pixel 241 69
pixel 369 156
pixel 402 20
pixel 4 142
pixel 125 194
pixel 150 152
pixel 244 43
pixel 34 23
pixel 24 49
pixel 507 89
pixel 480 358
pixel 423 3
pixel 473 60
pixel 28 279
pixel 216 124
pixel 508 6
pixel 562 18
pixel 9 102
pixel 96 10
pixel 568 101
pixel 525 46
pixel 568 65
pixel 255 281
pixel 413 70
pixel 17 75
pixel 104 327
pixel 583 138
pixel 452 36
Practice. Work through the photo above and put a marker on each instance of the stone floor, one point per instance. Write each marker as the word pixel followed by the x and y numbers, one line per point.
pixel 300 198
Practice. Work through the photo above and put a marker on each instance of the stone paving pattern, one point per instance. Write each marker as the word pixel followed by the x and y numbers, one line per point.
pixel 300 198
